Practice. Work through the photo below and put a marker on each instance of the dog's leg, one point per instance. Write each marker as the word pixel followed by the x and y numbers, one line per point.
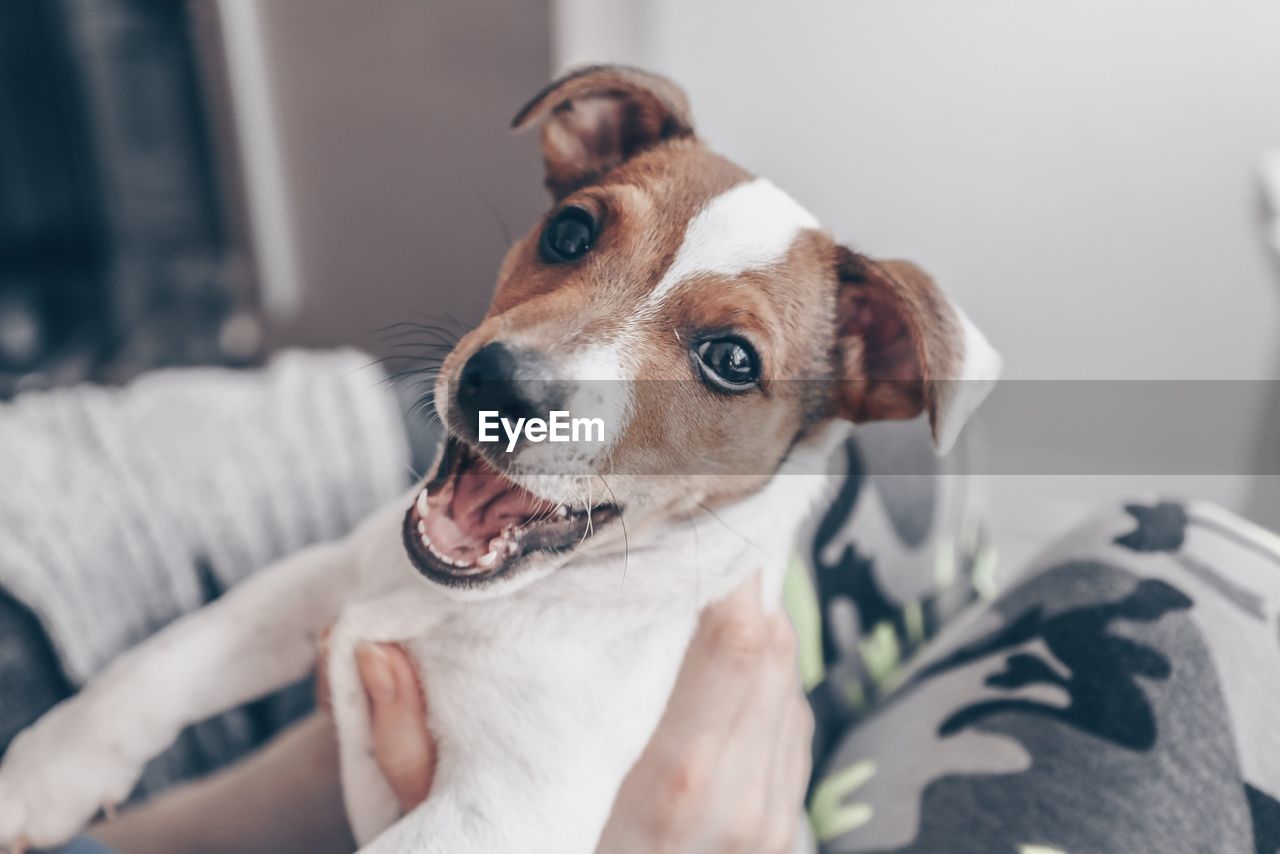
pixel 89 750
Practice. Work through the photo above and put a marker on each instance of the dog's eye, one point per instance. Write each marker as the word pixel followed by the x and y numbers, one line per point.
pixel 568 236
pixel 729 363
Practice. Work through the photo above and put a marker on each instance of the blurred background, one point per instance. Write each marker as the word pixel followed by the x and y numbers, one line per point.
pixel 206 182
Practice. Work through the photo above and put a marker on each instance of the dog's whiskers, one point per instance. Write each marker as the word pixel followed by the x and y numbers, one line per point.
pixel 626 541
pixel 412 372
pixel 425 402
pixel 439 333
pixel 488 205
pixel 697 559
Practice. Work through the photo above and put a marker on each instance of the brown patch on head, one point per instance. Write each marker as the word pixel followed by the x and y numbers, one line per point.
pixel 641 210
pixel 730 443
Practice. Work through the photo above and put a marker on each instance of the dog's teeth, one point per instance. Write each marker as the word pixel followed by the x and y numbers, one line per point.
pixel 422 527
pixel 488 559
pixel 422 502
pixel 562 512
pixel 444 558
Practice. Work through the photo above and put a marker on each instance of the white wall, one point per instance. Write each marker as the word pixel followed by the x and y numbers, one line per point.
pixel 1083 176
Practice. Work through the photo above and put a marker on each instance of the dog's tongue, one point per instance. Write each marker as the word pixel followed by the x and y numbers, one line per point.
pixel 474 507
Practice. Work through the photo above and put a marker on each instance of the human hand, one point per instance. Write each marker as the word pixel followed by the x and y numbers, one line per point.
pixel 725 771
pixel 728 766
pixel 402 746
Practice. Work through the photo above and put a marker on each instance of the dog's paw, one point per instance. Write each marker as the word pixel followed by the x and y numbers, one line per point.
pixel 59 772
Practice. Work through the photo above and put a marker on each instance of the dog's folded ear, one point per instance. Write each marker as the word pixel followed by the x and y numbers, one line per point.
pixel 597 117
pixel 904 348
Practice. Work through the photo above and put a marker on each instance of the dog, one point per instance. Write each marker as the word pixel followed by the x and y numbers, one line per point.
pixel 547 590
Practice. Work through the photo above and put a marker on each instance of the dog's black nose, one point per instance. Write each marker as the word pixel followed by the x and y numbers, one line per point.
pixel 512 383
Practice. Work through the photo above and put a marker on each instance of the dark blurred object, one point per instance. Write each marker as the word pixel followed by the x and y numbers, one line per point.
pixel 114 255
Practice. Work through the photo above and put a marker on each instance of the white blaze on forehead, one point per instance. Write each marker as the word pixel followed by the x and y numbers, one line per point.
pixel 602 389
pixel 748 227
pixel 600 363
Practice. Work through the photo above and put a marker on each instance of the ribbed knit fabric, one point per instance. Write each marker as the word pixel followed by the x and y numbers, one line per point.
pixel 121 509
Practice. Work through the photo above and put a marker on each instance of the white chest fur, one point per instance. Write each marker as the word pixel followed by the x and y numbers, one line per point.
pixel 542 700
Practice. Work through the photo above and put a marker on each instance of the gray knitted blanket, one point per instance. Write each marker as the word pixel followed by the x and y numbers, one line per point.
pixel 121 509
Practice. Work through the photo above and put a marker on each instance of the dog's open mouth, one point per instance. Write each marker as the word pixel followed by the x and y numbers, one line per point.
pixel 472 523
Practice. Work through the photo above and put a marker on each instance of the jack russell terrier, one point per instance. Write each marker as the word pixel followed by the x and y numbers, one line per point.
pixel 547 591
